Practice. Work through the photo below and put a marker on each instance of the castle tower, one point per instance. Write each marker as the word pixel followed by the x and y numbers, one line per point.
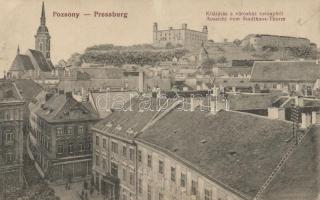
pixel 42 38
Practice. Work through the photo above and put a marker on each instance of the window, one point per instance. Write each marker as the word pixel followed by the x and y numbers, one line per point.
pixel 173 174
pixel 114 169
pixel 81 147
pixel 60 149
pixel 140 186
pixel 124 175
pixel 161 166
pixel 89 145
pixel 104 164
pixel 131 178
pixel 131 154
pixel 59 131
pixel 80 130
pixel 183 180
pixel 149 192
pixel 160 196
pixel 70 131
pixel 8 137
pixel 114 147
pixel 104 143
pixel 97 140
pixel 70 148
pixel 207 194
pixel 97 160
pixel 124 151
pixel 150 161
pixel 194 186
pixel 9 157
pixel 139 156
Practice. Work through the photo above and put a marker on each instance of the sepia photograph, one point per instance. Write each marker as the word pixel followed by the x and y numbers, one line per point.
pixel 159 100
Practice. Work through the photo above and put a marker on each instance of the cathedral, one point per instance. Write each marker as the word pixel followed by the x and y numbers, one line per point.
pixel 35 62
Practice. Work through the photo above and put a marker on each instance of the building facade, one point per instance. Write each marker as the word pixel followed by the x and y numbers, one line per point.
pixel 60 141
pixel 260 41
pixel 185 37
pixel 12 108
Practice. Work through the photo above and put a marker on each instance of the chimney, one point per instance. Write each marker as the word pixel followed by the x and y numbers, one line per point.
pixel 170 28
pixel 68 94
pixel 184 26
pixel 141 81
pixel 195 102
pixel 155 26
pixel 299 101
pixel 306 120
pixel 205 29
pixel 276 113
pixel 213 108
pixel 48 96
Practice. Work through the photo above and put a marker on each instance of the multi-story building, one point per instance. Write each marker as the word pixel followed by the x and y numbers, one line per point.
pixel 115 155
pixel 12 108
pixel 299 77
pixel 192 154
pixel 60 141
pixel 261 41
pixel 185 37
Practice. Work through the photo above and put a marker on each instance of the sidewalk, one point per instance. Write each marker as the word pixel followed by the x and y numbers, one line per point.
pixel 74 193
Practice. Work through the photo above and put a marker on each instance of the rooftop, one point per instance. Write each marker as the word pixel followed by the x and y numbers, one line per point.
pixel 282 71
pixel 240 150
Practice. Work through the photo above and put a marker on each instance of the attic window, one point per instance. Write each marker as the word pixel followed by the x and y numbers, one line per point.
pixel 203 141
pixel 130 131
pixel 118 127
pixel 8 94
pixel 108 124
pixel 232 153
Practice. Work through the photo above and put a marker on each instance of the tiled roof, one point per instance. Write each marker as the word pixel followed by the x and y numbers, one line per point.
pixel 28 88
pixel 63 108
pixel 126 123
pixel 9 92
pixel 21 63
pixel 285 71
pixel 251 101
pixel 234 71
pixel 103 72
pixel 298 178
pixel 237 149
pixel 41 61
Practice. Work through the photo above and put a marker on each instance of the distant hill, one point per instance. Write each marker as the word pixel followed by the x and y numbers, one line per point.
pixel 144 54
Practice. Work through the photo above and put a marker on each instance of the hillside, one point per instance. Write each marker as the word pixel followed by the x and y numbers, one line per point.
pixel 143 54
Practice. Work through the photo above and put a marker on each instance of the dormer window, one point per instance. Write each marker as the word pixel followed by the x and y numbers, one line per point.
pixel 108 124
pixel 118 127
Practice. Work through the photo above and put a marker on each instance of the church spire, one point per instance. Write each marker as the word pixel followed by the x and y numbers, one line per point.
pixel 18 50
pixel 43 15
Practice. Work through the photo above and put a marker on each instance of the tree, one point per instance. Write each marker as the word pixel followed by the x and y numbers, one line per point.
pixel 207 65
pixel 222 59
pixel 75 59
pixel 237 42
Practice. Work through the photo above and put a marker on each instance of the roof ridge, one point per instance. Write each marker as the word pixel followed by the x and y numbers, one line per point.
pixel 258 116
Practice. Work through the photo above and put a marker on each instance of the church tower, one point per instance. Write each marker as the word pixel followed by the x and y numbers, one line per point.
pixel 42 38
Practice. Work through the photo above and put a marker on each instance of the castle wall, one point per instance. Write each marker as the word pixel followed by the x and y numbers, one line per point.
pixel 185 37
pixel 260 41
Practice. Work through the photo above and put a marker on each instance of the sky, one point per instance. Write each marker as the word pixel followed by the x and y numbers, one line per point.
pixel 19 20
